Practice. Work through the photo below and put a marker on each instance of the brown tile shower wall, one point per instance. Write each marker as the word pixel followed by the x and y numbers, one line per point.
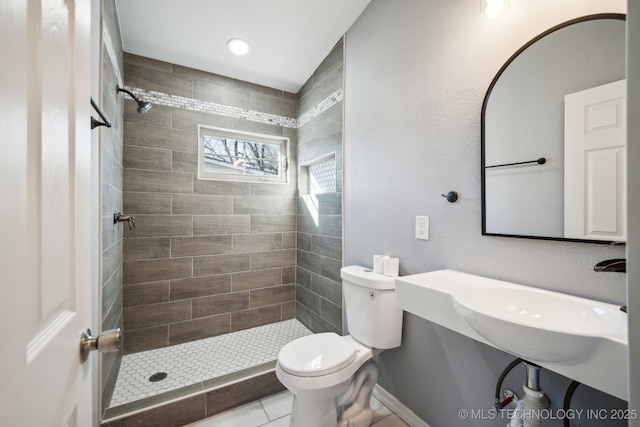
pixel 206 257
pixel 319 247
pixel 111 181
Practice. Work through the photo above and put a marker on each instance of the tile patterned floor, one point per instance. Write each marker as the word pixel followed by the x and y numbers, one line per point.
pixel 202 360
pixel 273 411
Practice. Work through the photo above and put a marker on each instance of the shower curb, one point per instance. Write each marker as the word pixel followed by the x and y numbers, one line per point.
pixel 202 404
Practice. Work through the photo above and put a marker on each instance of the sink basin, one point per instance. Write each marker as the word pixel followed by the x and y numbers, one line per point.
pixel 582 339
pixel 537 324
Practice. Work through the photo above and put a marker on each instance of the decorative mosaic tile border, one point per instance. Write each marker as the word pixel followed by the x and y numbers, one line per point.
pixel 191 104
pixel 321 107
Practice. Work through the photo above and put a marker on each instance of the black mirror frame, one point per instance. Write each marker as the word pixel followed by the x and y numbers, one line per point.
pixel 619 16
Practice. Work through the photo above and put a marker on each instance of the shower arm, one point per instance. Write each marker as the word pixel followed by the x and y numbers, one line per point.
pixel 135 98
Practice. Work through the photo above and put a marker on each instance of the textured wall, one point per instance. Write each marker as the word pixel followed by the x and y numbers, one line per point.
pixel 206 257
pixel 319 291
pixel 111 157
pixel 416 74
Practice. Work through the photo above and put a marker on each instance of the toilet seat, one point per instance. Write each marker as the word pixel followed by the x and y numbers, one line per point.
pixel 316 355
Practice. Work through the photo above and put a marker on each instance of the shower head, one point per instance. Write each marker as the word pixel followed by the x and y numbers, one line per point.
pixel 143 106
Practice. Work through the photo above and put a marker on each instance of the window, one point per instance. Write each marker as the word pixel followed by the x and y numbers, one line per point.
pixel 232 155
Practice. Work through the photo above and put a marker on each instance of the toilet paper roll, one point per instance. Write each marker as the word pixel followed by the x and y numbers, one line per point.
pixel 378 263
pixel 391 266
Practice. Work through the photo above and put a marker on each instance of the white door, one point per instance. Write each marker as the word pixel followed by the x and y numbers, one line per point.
pixel 46 212
pixel 594 162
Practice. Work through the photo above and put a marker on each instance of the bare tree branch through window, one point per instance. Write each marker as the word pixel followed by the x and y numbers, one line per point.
pixel 243 156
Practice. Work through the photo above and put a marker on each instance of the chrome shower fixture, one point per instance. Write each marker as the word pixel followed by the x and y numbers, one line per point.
pixel 143 106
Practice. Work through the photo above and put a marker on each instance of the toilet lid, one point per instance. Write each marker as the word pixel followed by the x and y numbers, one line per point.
pixel 315 355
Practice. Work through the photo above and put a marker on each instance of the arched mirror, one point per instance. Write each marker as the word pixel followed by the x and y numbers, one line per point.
pixel 554 139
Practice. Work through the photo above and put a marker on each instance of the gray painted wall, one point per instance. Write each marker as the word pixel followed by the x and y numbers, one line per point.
pixel 416 75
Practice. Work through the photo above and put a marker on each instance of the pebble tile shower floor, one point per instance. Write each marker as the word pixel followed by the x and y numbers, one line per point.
pixel 198 361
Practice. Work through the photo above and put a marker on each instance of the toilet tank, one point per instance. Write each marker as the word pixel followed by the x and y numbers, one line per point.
pixel 373 316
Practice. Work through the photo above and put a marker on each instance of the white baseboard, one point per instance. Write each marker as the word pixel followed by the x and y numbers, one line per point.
pixel 406 414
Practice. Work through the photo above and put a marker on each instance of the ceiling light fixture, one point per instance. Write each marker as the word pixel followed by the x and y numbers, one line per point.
pixel 493 9
pixel 238 47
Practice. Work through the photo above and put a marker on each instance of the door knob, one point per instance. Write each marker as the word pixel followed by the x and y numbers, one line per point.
pixel 105 342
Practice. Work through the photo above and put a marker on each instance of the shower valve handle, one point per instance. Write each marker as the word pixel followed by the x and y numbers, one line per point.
pixel 106 342
pixel 119 217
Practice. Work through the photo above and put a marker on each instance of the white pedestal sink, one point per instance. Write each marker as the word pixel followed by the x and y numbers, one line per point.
pixel 583 339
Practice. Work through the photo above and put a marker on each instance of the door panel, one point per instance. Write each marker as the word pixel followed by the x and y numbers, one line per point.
pixel 46 245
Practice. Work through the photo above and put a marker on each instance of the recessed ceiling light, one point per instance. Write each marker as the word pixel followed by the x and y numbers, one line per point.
pixel 238 46
pixel 493 9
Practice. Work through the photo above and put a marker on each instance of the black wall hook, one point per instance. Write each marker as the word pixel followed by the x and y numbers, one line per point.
pixel 451 196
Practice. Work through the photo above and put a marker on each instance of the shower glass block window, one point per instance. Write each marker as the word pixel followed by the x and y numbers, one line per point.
pixel 226 154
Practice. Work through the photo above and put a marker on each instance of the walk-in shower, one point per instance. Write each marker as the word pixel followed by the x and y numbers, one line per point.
pixel 217 275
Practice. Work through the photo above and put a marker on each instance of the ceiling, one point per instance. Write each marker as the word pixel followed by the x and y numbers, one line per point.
pixel 288 38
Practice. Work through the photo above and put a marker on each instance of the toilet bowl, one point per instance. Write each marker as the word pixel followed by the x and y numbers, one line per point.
pixel 331 376
pixel 318 369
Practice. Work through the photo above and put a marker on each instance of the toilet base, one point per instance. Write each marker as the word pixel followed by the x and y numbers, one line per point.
pixel 343 405
pixel 356 402
pixel 317 408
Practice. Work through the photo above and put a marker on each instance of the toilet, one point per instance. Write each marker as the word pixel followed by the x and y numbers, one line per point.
pixel 331 376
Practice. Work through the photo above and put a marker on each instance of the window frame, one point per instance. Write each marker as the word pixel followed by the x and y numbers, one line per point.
pixel 219 132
